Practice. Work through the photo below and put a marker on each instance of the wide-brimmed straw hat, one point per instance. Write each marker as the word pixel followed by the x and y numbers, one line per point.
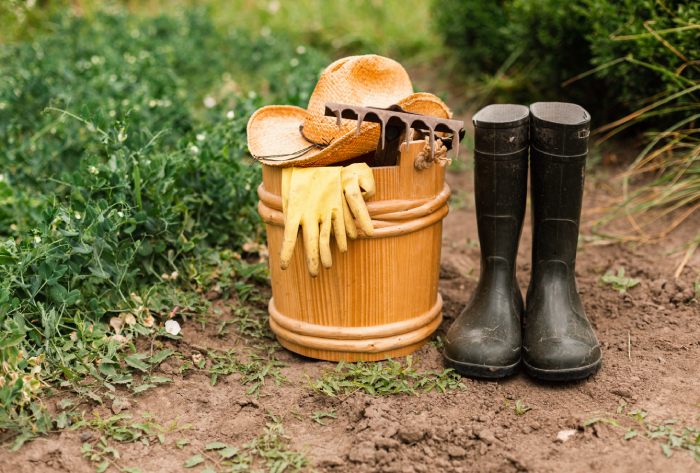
pixel 283 135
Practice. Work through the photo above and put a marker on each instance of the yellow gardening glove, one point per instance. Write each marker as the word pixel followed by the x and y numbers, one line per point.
pixel 358 186
pixel 312 197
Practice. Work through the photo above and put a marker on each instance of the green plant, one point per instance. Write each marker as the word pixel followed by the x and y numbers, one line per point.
pixel 108 225
pixel 259 365
pixel 380 379
pixel 517 50
pixel 518 408
pixel 270 450
pixel 318 416
pixel 619 282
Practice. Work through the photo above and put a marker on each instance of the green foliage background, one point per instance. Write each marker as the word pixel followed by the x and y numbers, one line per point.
pixel 551 41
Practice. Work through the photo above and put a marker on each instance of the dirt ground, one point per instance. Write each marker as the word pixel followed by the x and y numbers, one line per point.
pixel 472 430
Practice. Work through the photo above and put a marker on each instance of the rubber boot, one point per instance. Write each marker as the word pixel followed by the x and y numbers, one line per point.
pixel 485 339
pixel 558 340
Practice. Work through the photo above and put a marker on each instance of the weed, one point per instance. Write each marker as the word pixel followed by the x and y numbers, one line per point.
pixel 519 408
pixel 438 342
pixel 270 450
pixel 462 199
pixel 259 367
pixel 673 434
pixel 380 379
pixel 318 416
pixel 619 282
pixel 472 243
pixel 120 429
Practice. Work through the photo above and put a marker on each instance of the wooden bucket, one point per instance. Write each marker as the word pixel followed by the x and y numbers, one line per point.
pixel 381 297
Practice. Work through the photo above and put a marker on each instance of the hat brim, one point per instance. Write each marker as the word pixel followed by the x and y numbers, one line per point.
pixel 274 137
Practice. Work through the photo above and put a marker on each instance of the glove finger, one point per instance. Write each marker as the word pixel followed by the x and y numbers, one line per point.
pixel 311 247
pixel 350 227
pixel 324 242
pixel 359 209
pixel 339 231
pixel 368 185
pixel 289 241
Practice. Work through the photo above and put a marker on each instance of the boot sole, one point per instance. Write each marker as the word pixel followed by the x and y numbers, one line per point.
pixel 564 375
pixel 482 371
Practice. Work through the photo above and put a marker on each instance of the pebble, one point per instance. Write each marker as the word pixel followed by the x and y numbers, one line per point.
pixel 565 435
pixel 456 452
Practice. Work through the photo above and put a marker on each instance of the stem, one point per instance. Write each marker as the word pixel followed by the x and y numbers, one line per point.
pixel 137 184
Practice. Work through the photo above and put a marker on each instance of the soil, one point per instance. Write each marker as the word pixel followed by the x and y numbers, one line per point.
pixel 651 348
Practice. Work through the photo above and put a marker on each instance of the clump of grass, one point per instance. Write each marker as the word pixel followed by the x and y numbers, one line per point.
pixel 270 450
pixel 672 434
pixel 318 416
pixel 619 282
pixel 381 379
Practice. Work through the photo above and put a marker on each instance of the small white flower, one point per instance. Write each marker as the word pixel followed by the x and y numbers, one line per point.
pixel 2 105
pixel 194 149
pixel 152 103
pixel 172 327
pixel 294 62
pixel 273 6
pixel 122 136
pixel 77 215
pixel 164 276
pixel 209 102
pixel 37 239
pixel 265 31
pixel 201 136
pixel 230 115
pixel 93 170
pixel 301 49
pixel 174 275
pixel 125 102
pixel 121 214
pixel 112 113
pixel 252 94
pixel 113 78
pixel 2 177
pixel 53 130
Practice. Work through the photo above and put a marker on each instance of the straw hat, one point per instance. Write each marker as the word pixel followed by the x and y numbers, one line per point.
pixel 274 134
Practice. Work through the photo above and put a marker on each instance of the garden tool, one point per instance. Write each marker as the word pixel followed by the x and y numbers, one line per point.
pixel 558 340
pixel 395 128
pixel 330 196
pixel 485 339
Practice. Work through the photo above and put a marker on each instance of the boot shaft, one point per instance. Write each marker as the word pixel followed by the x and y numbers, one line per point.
pixel 558 151
pixel 500 179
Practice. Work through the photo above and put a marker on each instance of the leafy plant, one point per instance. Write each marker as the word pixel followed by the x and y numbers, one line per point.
pixel 519 408
pixel 318 416
pixel 270 450
pixel 619 282
pixel 380 379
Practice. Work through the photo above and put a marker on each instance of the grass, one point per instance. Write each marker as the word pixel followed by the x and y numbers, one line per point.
pixel 271 450
pixel 672 435
pixel 668 165
pixel 381 379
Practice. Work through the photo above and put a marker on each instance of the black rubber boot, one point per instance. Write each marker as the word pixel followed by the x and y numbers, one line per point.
pixel 485 339
pixel 558 340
